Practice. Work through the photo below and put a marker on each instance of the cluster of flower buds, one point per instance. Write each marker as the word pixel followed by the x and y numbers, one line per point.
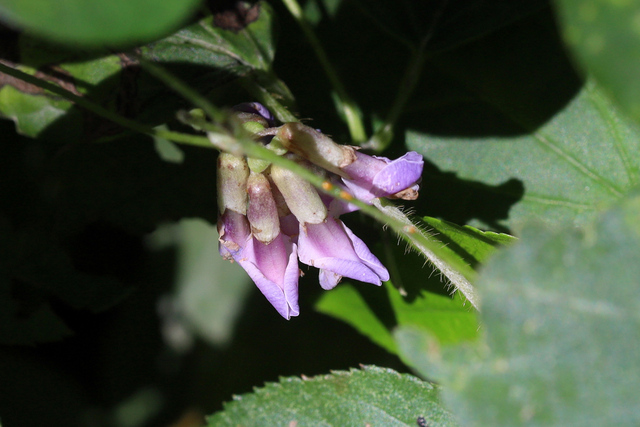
pixel 270 217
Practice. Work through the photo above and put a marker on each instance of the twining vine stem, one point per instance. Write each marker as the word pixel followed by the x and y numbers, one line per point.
pixel 239 141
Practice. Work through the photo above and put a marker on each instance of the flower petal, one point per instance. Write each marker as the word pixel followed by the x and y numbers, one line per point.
pixel 366 256
pixel 274 270
pixel 332 246
pixel 400 174
pixel 328 279
pixel 234 231
pixel 372 177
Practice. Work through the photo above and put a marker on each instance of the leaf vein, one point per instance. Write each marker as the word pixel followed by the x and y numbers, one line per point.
pixel 577 164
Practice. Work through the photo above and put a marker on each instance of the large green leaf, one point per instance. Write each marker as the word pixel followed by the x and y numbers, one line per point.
pixel 582 159
pixel 560 312
pixel 34 110
pixel 371 396
pixel 90 23
pixel 514 136
pixel 603 35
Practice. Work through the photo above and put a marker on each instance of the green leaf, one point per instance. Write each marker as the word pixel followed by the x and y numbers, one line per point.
pixel 578 162
pixel 31 114
pixel 473 245
pixel 210 291
pixel 347 304
pixel 37 112
pixel 90 23
pixel 560 314
pixel 370 396
pixel 214 51
pixel 414 298
pixel 604 38
pixel 205 55
pixel 251 45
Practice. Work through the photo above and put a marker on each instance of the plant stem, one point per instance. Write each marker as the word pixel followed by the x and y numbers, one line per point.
pixel 354 121
pixel 79 100
pixel 263 95
pixel 440 256
pixel 85 103
pixel 383 136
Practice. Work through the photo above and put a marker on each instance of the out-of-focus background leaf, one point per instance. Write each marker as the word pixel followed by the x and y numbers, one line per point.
pixel 560 316
pixel 89 23
pixel 509 130
pixel 603 38
pixel 370 395
pixel 210 291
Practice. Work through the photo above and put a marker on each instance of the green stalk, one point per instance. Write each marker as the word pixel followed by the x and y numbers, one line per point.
pixel 440 256
pixel 79 100
pixel 263 95
pixel 383 136
pixel 354 121
pixel 85 103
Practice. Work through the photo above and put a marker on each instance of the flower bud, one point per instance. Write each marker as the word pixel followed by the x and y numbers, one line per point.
pixel 262 213
pixel 232 183
pixel 255 109
pixel 233 231
pixel 302 199
pixel 316 147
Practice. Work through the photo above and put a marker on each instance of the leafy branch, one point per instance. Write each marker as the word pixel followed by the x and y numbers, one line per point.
pixel 234 139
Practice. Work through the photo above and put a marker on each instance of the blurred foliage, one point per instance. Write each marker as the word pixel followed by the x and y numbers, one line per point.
pixel 115 309
pixel 561 331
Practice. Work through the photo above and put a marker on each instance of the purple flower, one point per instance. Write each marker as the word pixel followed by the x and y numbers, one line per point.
pixel 337 252
pixel 250 234
pixel 366 176
pixel 270 217
pixel 370 176
pixel 274 270
pixel 273 267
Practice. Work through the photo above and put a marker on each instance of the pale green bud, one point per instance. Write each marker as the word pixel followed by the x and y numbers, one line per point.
pixel 316 147
pixel 233 173
pixel 262 213
pixel 301 197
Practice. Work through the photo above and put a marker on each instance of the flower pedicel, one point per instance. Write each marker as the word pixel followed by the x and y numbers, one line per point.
pixel 270 218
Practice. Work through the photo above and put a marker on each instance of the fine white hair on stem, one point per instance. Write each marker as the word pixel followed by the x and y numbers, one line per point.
pixel 453 277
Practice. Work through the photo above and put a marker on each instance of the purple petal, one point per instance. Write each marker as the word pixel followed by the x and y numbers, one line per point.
pixel 400 174
pixel 372 177
pixel 366 256
pixel 361 191
pixel 274 270
pixel 234 231
pixel 332 246
pixel 328 279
